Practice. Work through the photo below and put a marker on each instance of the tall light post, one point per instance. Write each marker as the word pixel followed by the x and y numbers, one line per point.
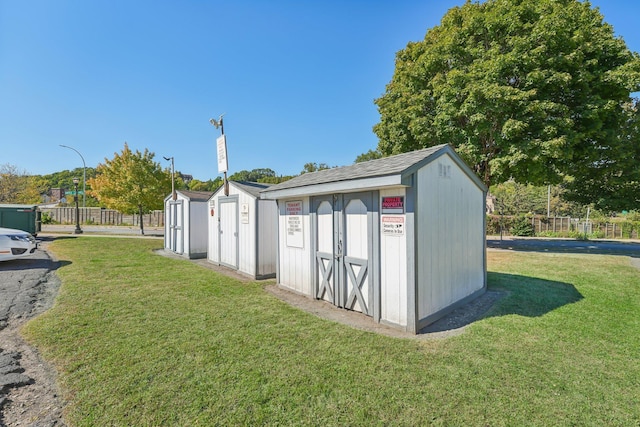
pixel 173 183
pixel 221 143
pixel 78 230
pixel 84 176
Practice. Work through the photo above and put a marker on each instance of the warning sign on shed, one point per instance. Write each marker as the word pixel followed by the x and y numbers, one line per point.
pixel 294 223
pixel 392 225
pixel 244 213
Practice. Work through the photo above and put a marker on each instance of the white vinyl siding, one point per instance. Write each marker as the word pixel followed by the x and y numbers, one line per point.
pixel 294 262
pixel 450 236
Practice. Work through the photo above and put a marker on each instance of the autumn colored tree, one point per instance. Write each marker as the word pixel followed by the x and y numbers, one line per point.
pixel 16 186
pixel 533 91
pixel 131 182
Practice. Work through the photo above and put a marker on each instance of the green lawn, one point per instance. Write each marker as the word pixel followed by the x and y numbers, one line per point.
pixel 140 339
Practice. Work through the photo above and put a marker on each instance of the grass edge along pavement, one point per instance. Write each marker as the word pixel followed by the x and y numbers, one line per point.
pixel 148 340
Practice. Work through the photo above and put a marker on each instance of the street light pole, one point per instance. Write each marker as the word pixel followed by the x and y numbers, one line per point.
pixel 173 184
pixel 84 176
pixel 78 230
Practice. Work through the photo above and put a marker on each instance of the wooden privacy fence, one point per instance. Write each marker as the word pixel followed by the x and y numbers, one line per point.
pixel 612 228
pixel 67 215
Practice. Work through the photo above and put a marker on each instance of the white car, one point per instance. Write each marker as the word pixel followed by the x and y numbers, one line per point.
pixel 16 244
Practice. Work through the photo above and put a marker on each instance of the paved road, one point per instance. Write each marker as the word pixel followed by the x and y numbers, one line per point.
pixel 607 247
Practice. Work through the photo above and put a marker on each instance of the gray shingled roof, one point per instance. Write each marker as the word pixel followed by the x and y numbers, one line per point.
pixel 391 165
pixel 253 188
pixel 196 196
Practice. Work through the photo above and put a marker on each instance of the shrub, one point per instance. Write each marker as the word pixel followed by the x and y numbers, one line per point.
pixel 494 222
pixel 46 218
pixel 522 226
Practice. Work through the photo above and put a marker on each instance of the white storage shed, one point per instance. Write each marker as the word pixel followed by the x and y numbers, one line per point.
pixel 185 223
pixel 400 239
pixel 242 230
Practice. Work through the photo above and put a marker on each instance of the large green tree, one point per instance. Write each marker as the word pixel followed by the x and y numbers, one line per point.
pixel 527 90
pixel 131 182
pixel 611 182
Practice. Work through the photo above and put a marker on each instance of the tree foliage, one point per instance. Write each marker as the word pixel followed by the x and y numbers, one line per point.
pixel 209 185
pixel 64 179
pixel 254 175
pixel 525 90
pixel 131 183
pixel 512 198
pixel 612 182
pixel 314 167
pixel 369 155
pixel 261 175
pixel 16 186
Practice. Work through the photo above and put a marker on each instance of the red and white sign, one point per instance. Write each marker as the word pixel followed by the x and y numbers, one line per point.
pixel 393 205
pixel 294 208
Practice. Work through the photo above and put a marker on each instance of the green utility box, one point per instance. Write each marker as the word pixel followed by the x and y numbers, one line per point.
pixel 21 217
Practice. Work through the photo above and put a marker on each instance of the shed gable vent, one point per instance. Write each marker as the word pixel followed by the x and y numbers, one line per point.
pixel 444 171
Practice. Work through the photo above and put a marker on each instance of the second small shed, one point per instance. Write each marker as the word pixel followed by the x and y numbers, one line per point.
pixel 243 230
pixel 400 239
pixel 185 223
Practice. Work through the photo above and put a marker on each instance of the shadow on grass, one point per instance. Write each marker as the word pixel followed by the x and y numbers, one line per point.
pixel 529 296
pixel 509 294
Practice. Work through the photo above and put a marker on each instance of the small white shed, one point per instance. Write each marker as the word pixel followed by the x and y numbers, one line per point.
pixel 242 230
pixel 185 223
pixel 400 239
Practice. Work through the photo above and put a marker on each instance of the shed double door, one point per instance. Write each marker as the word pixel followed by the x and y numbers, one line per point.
pixel 344 250
pixel 175 221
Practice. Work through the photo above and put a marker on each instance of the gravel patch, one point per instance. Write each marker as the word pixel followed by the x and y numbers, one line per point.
pixel 28 390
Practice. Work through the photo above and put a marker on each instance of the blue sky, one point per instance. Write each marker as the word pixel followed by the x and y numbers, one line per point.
pixel 295 79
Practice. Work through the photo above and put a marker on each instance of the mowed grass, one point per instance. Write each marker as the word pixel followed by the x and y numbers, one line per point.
pixel 140 339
